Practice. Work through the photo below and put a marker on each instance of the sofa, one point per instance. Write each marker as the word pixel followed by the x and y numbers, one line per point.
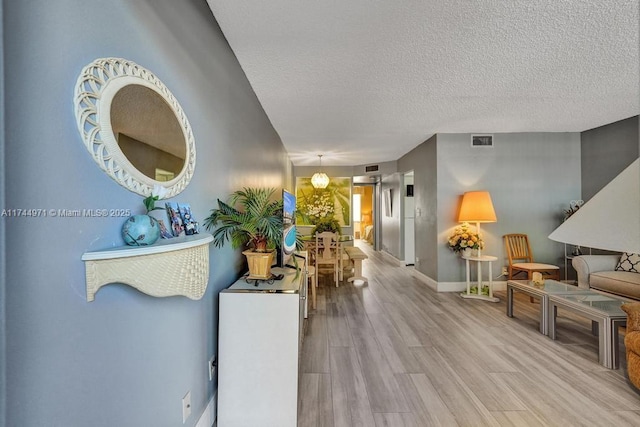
pixel 618 275
pixel 606 273
pixel 632 342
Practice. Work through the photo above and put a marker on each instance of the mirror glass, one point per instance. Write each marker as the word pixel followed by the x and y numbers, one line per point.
pixel 148 132
pixel 133 127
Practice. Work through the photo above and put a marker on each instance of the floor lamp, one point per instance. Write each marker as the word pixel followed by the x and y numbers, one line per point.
pixel 477 207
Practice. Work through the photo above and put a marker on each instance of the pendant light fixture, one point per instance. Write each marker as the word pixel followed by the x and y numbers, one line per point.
pixel 320 179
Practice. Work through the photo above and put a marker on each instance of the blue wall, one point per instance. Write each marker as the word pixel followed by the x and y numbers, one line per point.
pixel 127 358
pixel 3 268
pixel 531 178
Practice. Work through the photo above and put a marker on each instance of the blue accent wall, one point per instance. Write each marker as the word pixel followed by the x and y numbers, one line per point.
pixel 3 267
pixel 531 178
pixel 126 359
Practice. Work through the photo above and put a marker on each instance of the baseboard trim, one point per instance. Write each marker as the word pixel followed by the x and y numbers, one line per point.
pixel 208 417
pixel 426 279
pixel 500 285
pixel 453 286
pixel 398 262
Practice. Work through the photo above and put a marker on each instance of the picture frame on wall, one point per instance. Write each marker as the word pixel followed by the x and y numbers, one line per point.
pixel 315 203
pixel 388 202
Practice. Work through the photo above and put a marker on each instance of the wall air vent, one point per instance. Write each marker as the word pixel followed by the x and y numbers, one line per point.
pixel 372 168
pixel 482 140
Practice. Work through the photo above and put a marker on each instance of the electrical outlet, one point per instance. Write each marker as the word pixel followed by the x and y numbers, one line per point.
pixel 505 272
pixel 211 367
pixel 186 407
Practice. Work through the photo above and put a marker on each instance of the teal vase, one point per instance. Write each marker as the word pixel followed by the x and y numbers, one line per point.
pixel 140 230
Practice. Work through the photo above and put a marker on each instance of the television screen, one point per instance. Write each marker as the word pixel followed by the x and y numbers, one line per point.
pixel 288 246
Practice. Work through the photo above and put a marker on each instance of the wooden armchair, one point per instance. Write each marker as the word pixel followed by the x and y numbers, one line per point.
pixel 521 260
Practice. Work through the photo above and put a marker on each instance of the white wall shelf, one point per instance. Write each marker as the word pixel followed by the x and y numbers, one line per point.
pixel 178 266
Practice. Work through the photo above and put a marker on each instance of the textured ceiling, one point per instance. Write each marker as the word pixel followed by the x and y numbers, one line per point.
pixel 364 81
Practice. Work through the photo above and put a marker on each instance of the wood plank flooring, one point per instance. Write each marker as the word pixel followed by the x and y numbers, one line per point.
pixel 395 353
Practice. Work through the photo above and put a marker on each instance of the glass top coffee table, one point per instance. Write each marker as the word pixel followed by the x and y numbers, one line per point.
pixel 550 287
pixel 603 310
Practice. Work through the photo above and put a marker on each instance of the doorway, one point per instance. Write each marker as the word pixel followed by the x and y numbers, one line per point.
pixel 364 213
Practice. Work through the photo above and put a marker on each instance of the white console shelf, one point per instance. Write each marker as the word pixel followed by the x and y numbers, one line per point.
pixel 178 266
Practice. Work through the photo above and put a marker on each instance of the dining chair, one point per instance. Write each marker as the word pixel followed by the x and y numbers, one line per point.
pixel 521 259
pixel 327 253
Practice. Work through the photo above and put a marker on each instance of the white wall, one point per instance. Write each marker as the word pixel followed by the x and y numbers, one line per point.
pixel 391 234
pixel 422 160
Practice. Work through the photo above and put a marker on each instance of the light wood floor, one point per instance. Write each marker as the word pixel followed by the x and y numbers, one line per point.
pixel 395 353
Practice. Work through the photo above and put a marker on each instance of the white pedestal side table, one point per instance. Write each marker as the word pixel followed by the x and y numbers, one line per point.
pixel 479 260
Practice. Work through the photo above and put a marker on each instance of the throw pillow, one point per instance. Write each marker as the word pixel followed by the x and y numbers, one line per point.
pixel 629 262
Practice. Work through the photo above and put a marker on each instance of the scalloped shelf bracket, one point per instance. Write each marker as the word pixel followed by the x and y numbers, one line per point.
pixel 178 266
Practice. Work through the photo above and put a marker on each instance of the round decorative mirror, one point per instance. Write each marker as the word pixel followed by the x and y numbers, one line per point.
pixel 133 127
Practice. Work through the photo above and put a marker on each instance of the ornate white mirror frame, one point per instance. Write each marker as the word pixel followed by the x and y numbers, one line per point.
pixel 95 89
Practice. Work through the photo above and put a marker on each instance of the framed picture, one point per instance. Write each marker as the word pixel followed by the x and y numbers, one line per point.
pixel 388 202
pixel 315 203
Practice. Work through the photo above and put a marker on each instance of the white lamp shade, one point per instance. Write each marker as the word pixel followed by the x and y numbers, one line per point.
pixel 611 219
pixel 319 180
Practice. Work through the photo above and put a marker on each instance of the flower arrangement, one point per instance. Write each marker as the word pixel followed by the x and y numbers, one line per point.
pixel 463 238
pixel 327 224
pixel 574 205
pixel 318 205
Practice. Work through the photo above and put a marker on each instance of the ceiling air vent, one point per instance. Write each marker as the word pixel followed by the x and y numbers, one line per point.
pixel 372 168
pixel 482 140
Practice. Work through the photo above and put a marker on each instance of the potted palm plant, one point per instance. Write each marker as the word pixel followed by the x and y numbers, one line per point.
pixel 252 219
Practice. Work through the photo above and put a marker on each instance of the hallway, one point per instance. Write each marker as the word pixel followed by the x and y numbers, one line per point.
pixel 395 353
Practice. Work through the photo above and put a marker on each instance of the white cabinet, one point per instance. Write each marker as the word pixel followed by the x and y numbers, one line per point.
pixel 259 341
